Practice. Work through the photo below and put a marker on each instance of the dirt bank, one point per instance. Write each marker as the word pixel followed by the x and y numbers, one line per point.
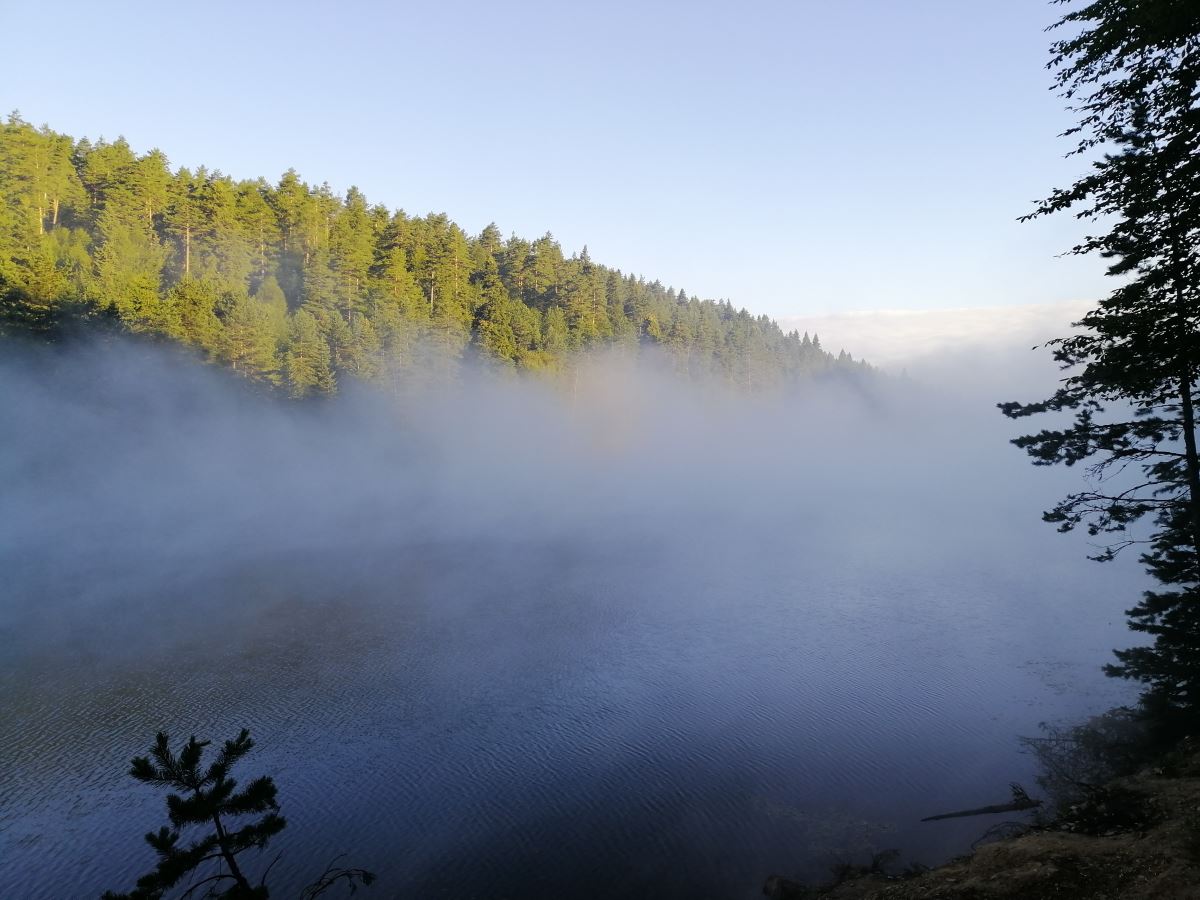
pixel 1144 843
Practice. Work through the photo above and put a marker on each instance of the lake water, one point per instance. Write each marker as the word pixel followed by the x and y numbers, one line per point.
pixel 664 697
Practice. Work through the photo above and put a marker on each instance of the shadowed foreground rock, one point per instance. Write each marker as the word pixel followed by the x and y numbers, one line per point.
pixel 1158 858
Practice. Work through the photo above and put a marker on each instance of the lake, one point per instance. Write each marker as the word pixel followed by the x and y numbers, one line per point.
pixel 508 665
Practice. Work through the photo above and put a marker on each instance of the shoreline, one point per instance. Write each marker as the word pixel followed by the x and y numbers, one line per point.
pixel 1138 840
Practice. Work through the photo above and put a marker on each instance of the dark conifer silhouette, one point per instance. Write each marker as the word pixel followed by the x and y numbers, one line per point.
pixel 1131 70
pixel 208 799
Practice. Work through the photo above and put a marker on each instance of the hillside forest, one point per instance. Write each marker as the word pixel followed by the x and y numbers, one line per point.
pixel 293 286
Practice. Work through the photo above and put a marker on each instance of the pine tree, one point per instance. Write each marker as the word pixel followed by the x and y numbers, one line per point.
pixel 366 350
pixel 226 251
pixel 307 358
pixel 260 226
pixel 152 183
pixel 183 220
pixel 351 250
pixel 270 295
pixel 221 265
pixel 128 263
pixel 1131 70
pixel 207 797
pixel 191 314
pixel 555 333
pixel 208 800
pixel 249 336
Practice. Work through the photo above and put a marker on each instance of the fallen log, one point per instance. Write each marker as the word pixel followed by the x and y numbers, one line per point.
pixel 1020 801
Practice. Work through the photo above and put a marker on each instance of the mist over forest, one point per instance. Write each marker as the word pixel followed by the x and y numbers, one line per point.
pixel 742 604
pixel 300 289
pixel 343 548
pixel 137 457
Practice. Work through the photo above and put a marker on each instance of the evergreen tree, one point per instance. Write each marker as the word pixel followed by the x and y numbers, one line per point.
pixel 152 185
pixel 494 318
pixel 225 266
pixel 260 225
pixel 270 295
pixel 208 800
pixel 226 251
pixel 366 350
pixel 396 285
pixel 183 219
pixel 191 314
pixel 307 358
pixel 341 343
pixel 555 332
pixel 1131 70
pixel 351 246
pixel 127 264
pixel 249 335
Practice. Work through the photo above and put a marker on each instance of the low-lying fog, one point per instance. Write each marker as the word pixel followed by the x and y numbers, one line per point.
pixel 507 639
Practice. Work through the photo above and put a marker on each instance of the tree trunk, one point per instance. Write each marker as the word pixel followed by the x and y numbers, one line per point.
pixel 1186 377
pixel 231 858
pixel 1191 460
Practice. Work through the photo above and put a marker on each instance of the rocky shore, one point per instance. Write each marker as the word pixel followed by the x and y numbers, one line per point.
pixel 1136 838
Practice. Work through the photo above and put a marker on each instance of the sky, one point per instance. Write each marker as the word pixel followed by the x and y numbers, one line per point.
pixel 801 159
pixel 987 344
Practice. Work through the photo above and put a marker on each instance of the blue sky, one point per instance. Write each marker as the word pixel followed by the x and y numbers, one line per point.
pixel 798 158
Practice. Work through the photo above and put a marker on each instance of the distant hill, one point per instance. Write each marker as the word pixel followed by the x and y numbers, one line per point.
pixel 288 284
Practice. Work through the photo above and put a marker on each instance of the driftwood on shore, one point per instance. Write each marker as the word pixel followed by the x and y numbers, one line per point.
pixel 1020 801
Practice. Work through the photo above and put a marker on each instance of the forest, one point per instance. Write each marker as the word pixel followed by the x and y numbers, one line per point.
pixel 697 630
pixel 293 286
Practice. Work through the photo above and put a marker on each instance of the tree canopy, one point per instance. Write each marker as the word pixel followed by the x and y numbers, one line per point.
pixel 1130 69
pixel 292 285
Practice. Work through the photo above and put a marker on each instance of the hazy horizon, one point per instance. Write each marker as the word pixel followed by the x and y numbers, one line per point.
pixel 924 341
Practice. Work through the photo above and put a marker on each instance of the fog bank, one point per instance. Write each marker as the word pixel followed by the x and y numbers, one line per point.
pixel 512 626
pixel 933 343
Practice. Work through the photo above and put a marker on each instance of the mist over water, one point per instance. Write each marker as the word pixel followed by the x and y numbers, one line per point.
pixel 623 637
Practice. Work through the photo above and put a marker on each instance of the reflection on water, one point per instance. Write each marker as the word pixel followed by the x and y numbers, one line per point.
pixel 532 720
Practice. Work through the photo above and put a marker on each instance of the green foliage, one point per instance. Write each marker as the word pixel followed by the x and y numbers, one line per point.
pixel 307 358
pixel 249 335
pixel 259 276
pixel 1131 71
